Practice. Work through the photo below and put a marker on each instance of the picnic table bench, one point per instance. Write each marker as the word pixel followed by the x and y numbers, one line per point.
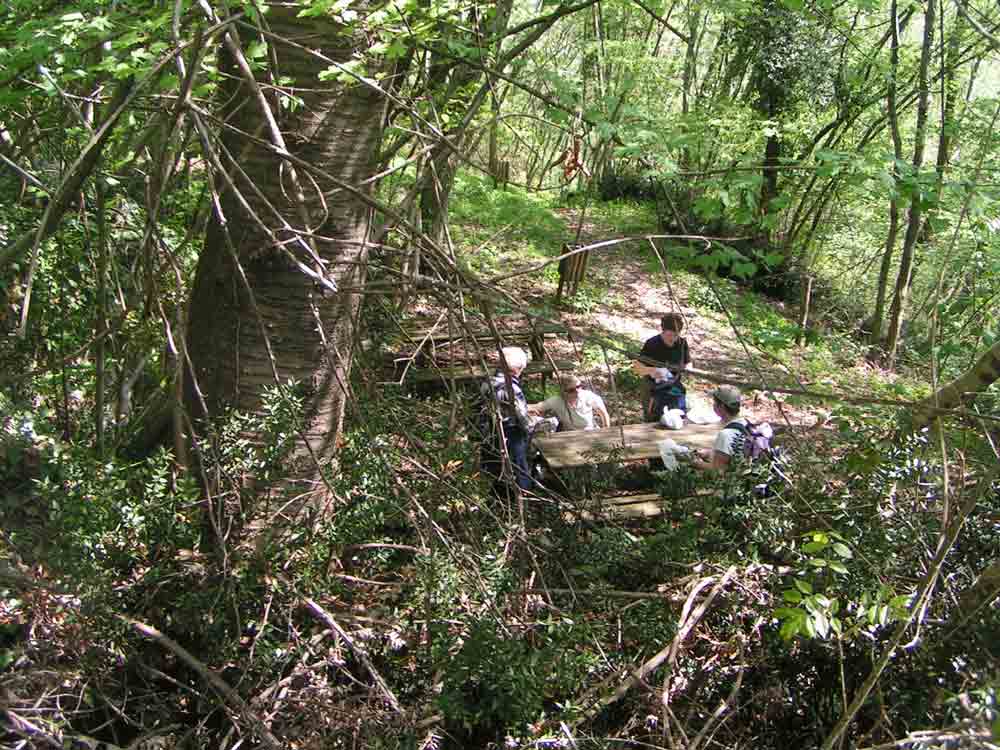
pixel 629 442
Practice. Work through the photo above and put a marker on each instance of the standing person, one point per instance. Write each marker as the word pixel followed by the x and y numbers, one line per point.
pixel 731 441
pixel 504 421
pixel 575 407
pixel 663 359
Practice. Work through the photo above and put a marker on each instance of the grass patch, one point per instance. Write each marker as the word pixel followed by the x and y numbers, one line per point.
pixel 627 217
pixel 495 226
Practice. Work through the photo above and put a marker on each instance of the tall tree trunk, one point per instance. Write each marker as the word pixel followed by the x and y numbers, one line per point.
pixel 913 226
pixel 948 96
pixel 875 335
pixel 256 317
pixel 690 71
pixel 455 78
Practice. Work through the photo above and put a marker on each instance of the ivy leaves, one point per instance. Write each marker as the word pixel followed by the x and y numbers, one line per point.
pixel 814 607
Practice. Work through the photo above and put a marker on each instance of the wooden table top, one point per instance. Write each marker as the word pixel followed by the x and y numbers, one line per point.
pixel 562 449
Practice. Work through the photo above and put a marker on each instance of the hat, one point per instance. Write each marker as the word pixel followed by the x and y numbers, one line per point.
pixel 728 395
pixel 569 382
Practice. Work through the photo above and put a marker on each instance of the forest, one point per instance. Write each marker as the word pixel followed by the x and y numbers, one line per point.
pixel 259 261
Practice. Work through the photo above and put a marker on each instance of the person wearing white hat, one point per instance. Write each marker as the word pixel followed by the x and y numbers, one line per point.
pixel 504 421
pixel 576 407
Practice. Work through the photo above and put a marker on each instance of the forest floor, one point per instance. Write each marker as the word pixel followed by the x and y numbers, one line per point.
pixel 622 301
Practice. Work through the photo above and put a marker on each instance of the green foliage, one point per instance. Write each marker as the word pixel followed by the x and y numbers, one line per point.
pixel 680 483
pixel 758 321
pixel 503 225
pixel 426 571
pixel 112 516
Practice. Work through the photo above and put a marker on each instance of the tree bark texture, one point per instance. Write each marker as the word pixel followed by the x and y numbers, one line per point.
pixel 307 326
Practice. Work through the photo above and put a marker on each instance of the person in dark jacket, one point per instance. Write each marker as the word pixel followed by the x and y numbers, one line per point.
pixel 662 361
pixel 504 422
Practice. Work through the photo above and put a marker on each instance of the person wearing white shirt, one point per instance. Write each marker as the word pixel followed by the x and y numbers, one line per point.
pixel 729 443
pixel 575 407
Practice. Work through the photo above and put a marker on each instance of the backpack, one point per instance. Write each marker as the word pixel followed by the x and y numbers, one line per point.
pixel 771 475
pixel 756 438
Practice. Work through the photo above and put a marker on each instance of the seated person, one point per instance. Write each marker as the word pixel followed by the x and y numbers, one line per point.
pixel 504 421
pixel 730 442
pixel 663 359
pixel 575 407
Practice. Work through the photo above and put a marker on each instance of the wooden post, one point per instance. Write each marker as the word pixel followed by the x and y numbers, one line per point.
pixel 571 271
pixel 503 174
pixel 563 264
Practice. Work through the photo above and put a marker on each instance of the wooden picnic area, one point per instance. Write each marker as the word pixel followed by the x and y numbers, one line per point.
pixel 627 442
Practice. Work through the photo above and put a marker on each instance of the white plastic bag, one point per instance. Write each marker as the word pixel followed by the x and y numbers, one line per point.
pixel 663 375
pixel 672 419
pixel 701 414
pixel 669 450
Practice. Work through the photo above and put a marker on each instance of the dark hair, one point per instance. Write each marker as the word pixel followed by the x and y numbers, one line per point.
pixel 672 322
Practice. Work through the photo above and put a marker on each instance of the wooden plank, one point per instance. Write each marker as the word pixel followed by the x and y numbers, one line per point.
pixel 647 505
pixel 475 372
pixel 632 441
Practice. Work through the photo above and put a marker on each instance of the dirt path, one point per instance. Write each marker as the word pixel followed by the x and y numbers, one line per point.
pixel 630 312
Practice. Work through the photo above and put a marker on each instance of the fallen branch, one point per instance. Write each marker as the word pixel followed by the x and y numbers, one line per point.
pixel 689 620
pixel 607 593
pixel 219 685
pixel 327 619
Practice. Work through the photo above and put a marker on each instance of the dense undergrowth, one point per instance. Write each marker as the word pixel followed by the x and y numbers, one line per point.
pixel 491 620
pixel 469 619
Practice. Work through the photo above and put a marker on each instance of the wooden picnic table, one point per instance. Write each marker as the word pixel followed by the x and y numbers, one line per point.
pixel 631 441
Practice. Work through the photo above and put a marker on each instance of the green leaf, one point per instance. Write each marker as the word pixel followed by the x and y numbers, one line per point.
pixel 804 586
pixel 809 627
pixel 789 629
pixel 900 602
pixel 791 595
pixel 786 613
pixel 813 547
pixel 837 567
pixel 395 50
pixel 257 50
pixel 821 624
pixel 883 614
pixel 843 550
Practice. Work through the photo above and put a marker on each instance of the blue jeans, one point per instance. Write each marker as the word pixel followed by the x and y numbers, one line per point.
pixel 517 450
